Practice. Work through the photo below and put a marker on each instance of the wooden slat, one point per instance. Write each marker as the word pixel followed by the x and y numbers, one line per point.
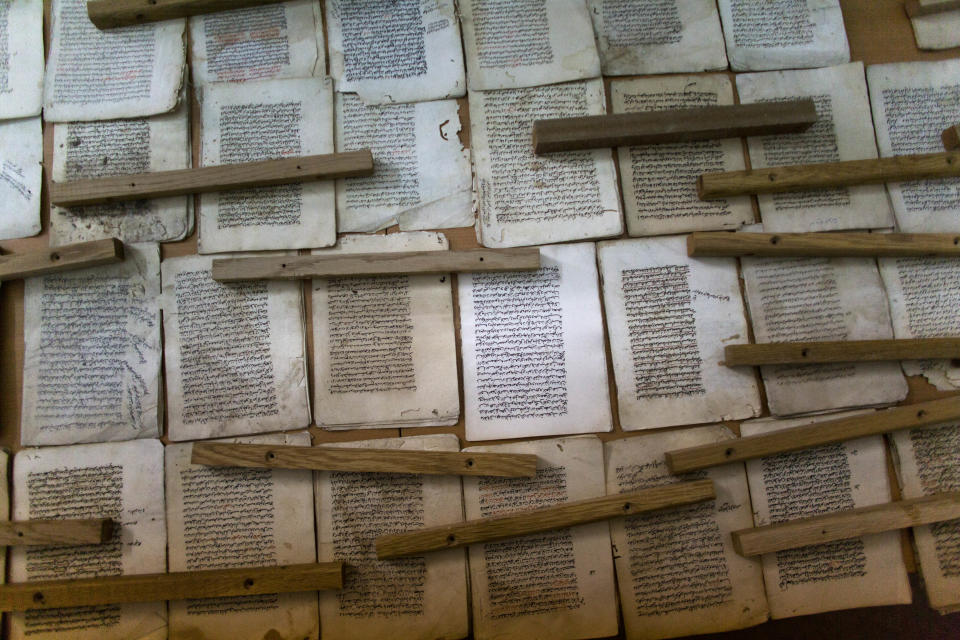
pixel 65 258
pixel 109 14
pixel 677 125
pixel 911 416
pixel 714 186
pixel 951 138
pixel 55 532
pixel 843 525
pixel 538 520
pixel 926 7
pixel 246 175
pixel 833 245
pixel 262 456
pixel 743 355
pixel 375 264
pixel 155 587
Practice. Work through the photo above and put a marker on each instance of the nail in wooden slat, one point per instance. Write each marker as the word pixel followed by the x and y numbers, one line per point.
pixel 927 7
pixel 375 264
pixel 678 125
pixel 535 521
pixel 109 14
pixel 743 355
pixel 65 258
pixel 714 186
pixel 245 175
pixel 912 416
pixel 847 524
pixel 216 583
pixel 951 138
pixel 55 532
pixel 511 465
pixel 832 245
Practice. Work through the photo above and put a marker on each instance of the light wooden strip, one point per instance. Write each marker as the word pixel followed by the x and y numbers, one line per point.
pixel 246 175
pixel 65 258
pixel 375 264
pixel 951 138
pixel 109 14
pixel 843 525
pixel 743 355
pixel 262 456
pixel 678 125
pixel 714 186
pixel 155 587
pixel 926 7
pixel 526 522
pixel 55 532
pixel 833 245
pixel 911 416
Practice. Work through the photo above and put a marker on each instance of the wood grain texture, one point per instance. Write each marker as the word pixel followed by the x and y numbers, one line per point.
pixel 833 245
pixel 65 258
pixel 180 182
pixel 843 525
pixel 742 355
pixel 677 125
pixel 927 7
pixel 511 465
pixel 557 517
pixel 109 14
pixel 951 138
pixel 55 532
pixel 155 587
pixel 715 186
pixel 912 416
pixel 375 264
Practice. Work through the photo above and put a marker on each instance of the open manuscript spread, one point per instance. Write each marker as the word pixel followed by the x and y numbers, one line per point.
pixel 558 584
pixel 913 102
pixel 21 153
pixel 384 348
pixel 251 121
pixel 118 73
pixel 657 36
pixel 83 150
pixel 845 574
pixel 526 199
pixel 843 131
pixel 399 51
pixel 669 317
pixel 928 462
pixel 937 31
pixel 659 181
pixel 532 348
pixel 783 34
pixel 118 480
pixel 91 366
pixel 283 40
pixel 404 598
pixel 21 58
pixel 677 570
pixel 421 173
pixel 234 353
pixel 226 517
pixel 821 299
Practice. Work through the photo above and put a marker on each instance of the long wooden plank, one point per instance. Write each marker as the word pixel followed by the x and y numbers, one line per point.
pixel 526 522
pixel 951 138
pixel 743 355
pixel 833 245
pixel 714 186
pixel 847 524
pixel 109 14
pixel 927 7
pixel 218 454
pixel 911 416
pixel 55 532
pixel 375 264
pixel 245 175
pixel 678 125
pixel 65 258
pixel 154 587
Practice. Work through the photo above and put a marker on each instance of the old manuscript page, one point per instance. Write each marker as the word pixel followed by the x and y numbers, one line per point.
pixel 21 153
pixel 118 480
pixel 384 348
pixel 21 58
pixel 669 317
pixel 558 584
pixel 857 572
pixel 406 598
pixel 937 31
pixel 532 345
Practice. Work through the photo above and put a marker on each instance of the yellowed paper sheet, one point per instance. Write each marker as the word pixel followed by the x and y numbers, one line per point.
pixel 21 62
pixel 21 152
